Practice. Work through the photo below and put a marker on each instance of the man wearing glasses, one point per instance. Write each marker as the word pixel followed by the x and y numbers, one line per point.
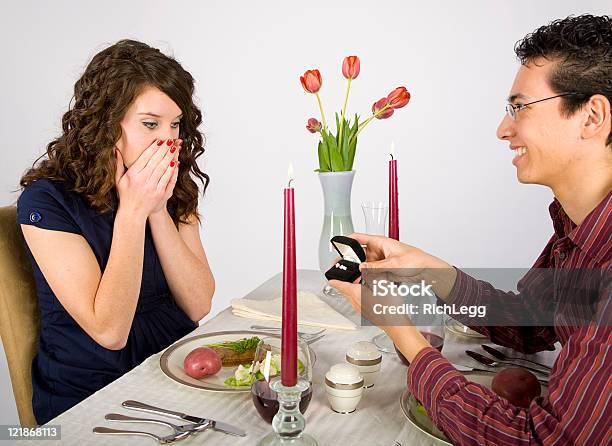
pixel 559 125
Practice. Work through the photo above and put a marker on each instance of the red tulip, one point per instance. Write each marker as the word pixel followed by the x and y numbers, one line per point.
pixel 311 81
pixel 350 67
pixel 379 105
pixel 314 126
pixel 398 97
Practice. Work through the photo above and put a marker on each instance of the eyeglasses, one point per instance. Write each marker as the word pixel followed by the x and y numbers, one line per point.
pixel 513 109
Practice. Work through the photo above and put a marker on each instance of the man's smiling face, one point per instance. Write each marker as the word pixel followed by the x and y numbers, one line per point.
pixel 545 142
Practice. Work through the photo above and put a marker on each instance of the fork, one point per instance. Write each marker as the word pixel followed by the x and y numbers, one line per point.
pixel 190 428
pixel 313 339
pixel 161 440
pixel 304 335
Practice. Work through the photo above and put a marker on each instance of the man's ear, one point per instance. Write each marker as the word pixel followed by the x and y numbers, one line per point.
pixel 597 120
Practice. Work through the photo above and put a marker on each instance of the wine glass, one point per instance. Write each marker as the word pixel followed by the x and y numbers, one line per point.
pixel 267 360
pixel 375 214
pixel 434 334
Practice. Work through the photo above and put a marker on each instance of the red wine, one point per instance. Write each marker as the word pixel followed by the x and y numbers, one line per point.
pixel 265 401
pixel 436 342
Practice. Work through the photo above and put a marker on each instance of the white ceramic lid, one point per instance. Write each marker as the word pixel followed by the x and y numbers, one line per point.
pixel 343 373
pixel 363 351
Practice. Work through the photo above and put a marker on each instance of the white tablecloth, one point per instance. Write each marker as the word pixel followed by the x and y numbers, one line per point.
pixel 378 420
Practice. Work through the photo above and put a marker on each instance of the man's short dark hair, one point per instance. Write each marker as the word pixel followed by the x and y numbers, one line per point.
pixel 583 48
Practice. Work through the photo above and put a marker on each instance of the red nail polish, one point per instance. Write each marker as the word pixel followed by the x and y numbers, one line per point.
pixel 169 142
pixel 171 163
pixel 173 149
pixel 160 142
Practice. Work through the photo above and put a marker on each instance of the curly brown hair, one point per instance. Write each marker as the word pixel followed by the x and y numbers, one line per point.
pixel 583 47
pixel 83 156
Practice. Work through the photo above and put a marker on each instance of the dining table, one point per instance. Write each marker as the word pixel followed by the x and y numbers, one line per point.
pixel 378 420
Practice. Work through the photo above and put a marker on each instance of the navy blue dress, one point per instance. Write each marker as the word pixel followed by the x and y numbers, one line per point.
pixel 69 365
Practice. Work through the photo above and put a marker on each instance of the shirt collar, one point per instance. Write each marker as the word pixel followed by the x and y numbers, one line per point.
pixel 593 235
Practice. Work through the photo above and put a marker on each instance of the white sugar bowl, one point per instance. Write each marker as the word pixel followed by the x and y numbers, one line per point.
pixel 344 387
pixel 365 356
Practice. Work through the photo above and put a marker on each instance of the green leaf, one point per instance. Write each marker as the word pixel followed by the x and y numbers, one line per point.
pixel 337 127
pixel 345 144
pixel 239 346
pixel 334 154
pixel 232 382
pixel 352 150
pixel 355 125
pixel 353 145
pixel 323 156
pixel 325 149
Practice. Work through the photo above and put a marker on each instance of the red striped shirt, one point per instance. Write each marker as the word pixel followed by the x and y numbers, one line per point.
pixel 577 409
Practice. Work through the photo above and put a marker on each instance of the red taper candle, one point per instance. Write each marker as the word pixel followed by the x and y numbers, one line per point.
pixel 393 197
pixel 289 328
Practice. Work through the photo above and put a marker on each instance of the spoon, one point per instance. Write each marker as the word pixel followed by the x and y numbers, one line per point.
pixel 493 363
pixel 501 355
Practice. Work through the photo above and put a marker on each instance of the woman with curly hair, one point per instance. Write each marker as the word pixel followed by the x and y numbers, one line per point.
pixel 111 225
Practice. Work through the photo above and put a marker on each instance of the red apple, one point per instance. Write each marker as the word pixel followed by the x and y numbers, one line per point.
pixel 517 385
pixel 201 362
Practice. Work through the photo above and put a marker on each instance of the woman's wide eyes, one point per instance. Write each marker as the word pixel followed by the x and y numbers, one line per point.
pixel 152 125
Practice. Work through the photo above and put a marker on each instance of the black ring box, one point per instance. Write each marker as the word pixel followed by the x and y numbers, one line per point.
pixel 347 269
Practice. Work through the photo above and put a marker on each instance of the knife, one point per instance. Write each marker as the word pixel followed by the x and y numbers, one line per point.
pixel 216 425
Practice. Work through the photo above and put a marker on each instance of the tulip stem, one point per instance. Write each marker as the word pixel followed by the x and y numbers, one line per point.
pixel 321 108
pixel 367 121
pixel 348 87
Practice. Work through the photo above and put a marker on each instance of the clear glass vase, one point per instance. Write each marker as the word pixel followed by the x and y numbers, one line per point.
pixel 337 219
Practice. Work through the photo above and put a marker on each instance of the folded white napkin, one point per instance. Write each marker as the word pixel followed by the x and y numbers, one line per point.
pixel 312 311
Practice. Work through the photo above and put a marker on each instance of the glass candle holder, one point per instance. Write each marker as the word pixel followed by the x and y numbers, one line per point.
pixel 288 424
pixel 265 399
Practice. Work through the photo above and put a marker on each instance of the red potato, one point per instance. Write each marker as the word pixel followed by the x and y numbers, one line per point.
pixel 201 362
pixel 517 385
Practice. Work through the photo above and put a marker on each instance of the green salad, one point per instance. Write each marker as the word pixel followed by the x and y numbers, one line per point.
pixel 245 375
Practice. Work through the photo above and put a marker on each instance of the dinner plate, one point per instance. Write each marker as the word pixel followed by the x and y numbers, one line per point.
pixel 417 416
pixel 171 361
pixel 458 328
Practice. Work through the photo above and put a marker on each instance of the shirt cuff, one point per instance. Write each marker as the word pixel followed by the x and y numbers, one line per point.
pixel 431 377
pixel 465 291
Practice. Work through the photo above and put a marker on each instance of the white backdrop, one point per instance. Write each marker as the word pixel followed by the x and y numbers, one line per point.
pixel 459 195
